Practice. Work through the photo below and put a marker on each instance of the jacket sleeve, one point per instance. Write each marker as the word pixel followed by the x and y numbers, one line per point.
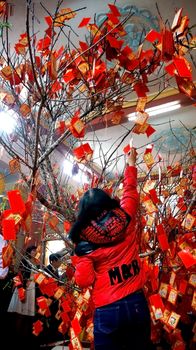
pixel 84 274
pixel 130 198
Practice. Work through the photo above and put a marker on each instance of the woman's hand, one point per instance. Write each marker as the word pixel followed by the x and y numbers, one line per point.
pixel 131 157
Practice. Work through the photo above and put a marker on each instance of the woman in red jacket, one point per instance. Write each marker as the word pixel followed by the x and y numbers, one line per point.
pixel 106 245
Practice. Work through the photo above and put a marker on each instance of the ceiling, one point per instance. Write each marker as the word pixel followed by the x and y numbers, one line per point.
pixel 107 133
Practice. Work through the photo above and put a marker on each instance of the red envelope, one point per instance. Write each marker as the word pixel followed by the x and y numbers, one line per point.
pixel 16 202
pixel 153 35
pixel 187 258
pixel 76 326
pixel 150 130
pixel 112 18
pixel 182 286
pixel 9 229
pixel 156 301
pixel 84 22
pixel 182 67
pixel 114 10
pixel 153 195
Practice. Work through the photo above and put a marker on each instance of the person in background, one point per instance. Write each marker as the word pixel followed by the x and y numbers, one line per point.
pixel 107 259
pixel 6 286
pixel 54 264
pixel 51 334
pixel 23 310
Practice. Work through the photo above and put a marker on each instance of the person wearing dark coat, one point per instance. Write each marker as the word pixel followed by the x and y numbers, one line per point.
pixel 54 263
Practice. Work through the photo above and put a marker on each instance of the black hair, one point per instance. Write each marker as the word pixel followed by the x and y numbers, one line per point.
pixel 91 206
pixel 29 250
pixel 54 257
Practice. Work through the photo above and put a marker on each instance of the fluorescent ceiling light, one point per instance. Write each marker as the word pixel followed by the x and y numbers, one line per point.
pixel 164 108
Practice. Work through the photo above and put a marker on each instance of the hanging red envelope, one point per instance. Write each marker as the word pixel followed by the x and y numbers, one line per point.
pixel 140 89
pixel 60 126
pixel 163 290
pixel 172 297
pixel 140 129
pixel 48 286
pixel 77 127
pixel 76 326
pixel 25 110
pixel 83 152
pixel 43 44
pixel 62 16
pixel 170 69
pixel 63 328
pixel 132 65
pixel 163 242
pixel 42 302
pixel 153 35
pixel 187 258
pixel 112 18
pixel 59 292
pixel 9 229
pixel 66 306
pixel 20 49
pixel 65 317
pixel 21 293
pixel 181 30
pixel 84 46
pixel 7 253
pixel 141 103
pixel 183 68
pixel 76 344
pixel 157 305
pixel 182 286
pixel 37 327
pixel 56 86
pixel 141 118
pixel 16 202
pixel 39 277
pixel 50 32
pixel 150 130
pixel 167 49
pixel 69 75
pixel 189 222
pixel 177 19
pixel 173 320
pixel 6 72
pixel 192 279
pixel 148 159
pixel 128 53
pixel 181 204
pixel 52 67
pixel 186 86
pixel 49 20
pixel 153 195
pixel 84 22
pixel 114 10
pixel 66 226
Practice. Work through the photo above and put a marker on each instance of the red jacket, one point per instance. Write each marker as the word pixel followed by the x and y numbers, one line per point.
pixel 115 271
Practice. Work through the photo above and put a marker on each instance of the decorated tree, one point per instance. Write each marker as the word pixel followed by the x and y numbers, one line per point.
pixel 57 91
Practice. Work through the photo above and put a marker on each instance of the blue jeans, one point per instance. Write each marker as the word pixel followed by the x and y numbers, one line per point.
pixel 124 324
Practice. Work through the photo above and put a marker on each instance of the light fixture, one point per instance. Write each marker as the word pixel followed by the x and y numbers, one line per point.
pixel 7 121
pixel 80 177
pixel 157 110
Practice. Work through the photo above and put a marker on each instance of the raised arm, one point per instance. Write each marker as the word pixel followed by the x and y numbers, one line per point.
pixel 130 198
